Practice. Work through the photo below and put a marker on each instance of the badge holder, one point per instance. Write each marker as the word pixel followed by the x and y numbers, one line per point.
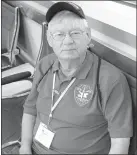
pixel 44 135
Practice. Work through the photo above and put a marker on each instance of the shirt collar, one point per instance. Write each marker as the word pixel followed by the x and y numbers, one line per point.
pixel 56 66
pixel 85 67
pixel 82 72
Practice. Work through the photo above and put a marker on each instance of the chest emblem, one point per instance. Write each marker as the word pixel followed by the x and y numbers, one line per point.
pixel 83 94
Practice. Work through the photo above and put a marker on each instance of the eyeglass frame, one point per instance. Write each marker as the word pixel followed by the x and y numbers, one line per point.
pixel 69 33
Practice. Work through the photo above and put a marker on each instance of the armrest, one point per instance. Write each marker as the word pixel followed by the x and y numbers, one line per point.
pixel 17 73
pixel 19 69
pixel 17 88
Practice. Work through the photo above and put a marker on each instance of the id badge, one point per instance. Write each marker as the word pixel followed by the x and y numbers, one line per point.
pixel 44 135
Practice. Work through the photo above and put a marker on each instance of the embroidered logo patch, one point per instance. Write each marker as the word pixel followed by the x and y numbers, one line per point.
pixel 83 94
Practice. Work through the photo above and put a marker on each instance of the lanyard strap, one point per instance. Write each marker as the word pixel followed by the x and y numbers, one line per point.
pixel 53 86
pixel 63 93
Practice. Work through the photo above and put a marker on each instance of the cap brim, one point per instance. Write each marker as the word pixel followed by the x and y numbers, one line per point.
pixel 60 6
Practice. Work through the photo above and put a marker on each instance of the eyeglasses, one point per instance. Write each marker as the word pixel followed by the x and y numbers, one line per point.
pixel 60 36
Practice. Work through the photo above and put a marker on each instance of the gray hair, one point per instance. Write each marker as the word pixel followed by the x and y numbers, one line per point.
pixel 62 15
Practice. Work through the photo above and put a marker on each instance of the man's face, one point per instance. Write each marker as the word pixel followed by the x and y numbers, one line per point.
pixel 74 42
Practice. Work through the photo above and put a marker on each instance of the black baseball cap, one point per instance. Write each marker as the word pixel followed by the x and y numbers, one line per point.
pixel 60 6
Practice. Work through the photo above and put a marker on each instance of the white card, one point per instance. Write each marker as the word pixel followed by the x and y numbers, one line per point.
pixel 44 136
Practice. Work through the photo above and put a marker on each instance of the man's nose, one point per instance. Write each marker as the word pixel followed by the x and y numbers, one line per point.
pixel 68 39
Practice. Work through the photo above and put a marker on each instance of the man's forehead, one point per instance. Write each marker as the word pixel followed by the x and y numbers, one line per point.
pixel 67 25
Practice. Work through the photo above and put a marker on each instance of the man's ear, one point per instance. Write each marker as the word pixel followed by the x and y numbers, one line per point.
pixel 49 38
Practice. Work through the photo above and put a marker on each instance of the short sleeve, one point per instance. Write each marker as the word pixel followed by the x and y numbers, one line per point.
pixel 30 104
pixel 118 109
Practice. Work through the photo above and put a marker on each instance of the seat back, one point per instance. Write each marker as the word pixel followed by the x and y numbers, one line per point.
pixel 10 30
pixel 128 67
pixel 45 49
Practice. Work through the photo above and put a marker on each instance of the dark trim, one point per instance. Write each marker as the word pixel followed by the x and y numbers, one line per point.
pixel 127 3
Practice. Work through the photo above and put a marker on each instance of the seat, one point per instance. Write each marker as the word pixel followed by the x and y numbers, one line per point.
pixel 13 93
pixel 10 93
pixel 45 49
pixel 10 31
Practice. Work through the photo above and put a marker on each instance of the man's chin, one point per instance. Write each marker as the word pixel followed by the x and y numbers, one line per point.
pixel 69 57
pixel 69 54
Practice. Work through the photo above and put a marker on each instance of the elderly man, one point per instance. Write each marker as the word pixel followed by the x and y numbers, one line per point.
pixel 64 113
